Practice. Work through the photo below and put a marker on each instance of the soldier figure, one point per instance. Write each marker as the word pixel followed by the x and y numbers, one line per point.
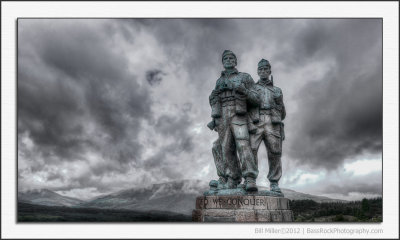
pixel 229 101
pixel 268 122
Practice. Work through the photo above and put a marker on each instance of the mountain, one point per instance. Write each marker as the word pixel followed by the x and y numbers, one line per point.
pixel 293 195
pixel 47 198
pixel 177 196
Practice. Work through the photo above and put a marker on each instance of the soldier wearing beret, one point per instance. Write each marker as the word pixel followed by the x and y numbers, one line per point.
pixel 234 93
pixel 267 120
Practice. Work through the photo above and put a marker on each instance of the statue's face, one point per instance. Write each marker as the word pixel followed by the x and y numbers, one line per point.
pixel 264 72
pixel 229 61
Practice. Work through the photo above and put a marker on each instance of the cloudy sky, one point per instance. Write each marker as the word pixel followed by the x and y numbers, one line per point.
pixel 110 104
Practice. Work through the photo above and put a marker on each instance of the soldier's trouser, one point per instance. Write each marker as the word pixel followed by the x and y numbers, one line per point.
pixel 219 163
pixel 270 134
pixel 235 137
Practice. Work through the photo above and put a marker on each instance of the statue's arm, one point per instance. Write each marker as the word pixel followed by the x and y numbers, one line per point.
pixel 214 95
pixel 280 105
pixel 211 125
pixel 253 97
pixel 215 103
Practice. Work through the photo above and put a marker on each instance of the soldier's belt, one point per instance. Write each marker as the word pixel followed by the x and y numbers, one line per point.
pixel 227 99
pixel 265 111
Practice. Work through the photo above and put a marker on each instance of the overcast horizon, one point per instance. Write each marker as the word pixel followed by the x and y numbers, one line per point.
pixel 111 104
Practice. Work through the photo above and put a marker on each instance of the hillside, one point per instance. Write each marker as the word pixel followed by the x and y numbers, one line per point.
pixel 47 197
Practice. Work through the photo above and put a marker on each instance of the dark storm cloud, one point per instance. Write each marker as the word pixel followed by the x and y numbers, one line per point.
pixel 154 77
pixel 75 93
pixel 340 114
pixel 348 123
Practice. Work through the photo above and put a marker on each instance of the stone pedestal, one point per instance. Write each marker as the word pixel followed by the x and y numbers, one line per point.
pixel 248 208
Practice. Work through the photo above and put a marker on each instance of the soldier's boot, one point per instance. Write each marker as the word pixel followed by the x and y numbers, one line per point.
pixel 213 185
pixel 250 184
pixel 275 187
pixel 221 183
pixel 230 184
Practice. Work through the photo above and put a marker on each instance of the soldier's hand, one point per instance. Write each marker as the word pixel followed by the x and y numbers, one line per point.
pixel 241 89
pixel 211 125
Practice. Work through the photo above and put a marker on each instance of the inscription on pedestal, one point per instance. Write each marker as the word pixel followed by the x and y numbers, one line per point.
pixel 242 202
pixel 242 209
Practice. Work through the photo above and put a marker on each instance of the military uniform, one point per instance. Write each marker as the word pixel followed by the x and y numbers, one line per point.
pixel 229 110
pixel 269 127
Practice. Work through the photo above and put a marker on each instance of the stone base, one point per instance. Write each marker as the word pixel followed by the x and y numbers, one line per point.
pixel 250 208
